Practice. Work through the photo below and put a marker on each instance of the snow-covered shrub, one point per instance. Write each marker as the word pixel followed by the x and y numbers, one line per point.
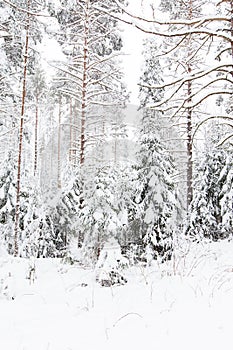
pixel 104 212
pixel 31 271
pixel 210 213
pixel 110 264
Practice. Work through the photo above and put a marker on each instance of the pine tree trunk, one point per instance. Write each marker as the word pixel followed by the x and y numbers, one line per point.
pixel 189 122
pixel 52 150
pixel 115 149
pixel 84 83
pixel 75 134
pixel 71 132
pixel 36 135
pixel 21 129
pixel 189 149
pixel 59 146
pixel 231 10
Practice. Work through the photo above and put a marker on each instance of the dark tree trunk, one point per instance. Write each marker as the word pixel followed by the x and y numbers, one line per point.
pixel 189 122
pixel 21 129
pixel 71 132
pixel 59 146
pixel 36 135
pixel 231 3
pixel 84 83
pixel 189 149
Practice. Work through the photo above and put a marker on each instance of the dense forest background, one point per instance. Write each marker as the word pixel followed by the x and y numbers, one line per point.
pixel 74 172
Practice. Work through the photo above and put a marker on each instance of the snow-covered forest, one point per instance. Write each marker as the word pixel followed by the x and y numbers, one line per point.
pixel 112 215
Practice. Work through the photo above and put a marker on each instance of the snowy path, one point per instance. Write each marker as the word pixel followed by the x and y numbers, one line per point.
pixel 64 309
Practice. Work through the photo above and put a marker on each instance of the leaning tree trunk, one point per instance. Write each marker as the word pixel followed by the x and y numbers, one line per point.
pixel 21 129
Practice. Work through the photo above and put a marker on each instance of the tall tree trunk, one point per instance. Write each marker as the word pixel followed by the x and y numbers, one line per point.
pixel 36 135
pixel 231 11
pixel 84 83
pixel 52 148
pixel 59 146
pixel 189 148
pixel 71 132
pixel 115 149
pixel 21 129
pixel 189 121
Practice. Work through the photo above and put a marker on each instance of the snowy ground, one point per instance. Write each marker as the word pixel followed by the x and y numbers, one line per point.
pixel 187 304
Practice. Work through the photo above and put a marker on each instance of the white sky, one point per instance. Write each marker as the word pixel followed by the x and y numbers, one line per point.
pixel 132 60
pixel 133 38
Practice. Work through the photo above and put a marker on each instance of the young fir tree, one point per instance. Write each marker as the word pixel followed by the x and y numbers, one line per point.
pixel 211 209
pixel 103 214
pixel 226 196
pixel 7 205
pixel 37 237
pixel 156 197
pixel 154 71
pixel 7 201
pixel 155 170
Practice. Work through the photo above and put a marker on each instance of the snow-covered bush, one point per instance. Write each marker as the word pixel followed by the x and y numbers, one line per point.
pixel 210 213
pixel 110 265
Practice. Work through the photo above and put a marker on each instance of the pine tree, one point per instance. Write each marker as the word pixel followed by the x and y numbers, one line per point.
pixel 91 75
pixel 185 60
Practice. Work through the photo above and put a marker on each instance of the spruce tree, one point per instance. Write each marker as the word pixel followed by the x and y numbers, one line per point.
pixel 7 200
pixel 210 213
pixel 156 198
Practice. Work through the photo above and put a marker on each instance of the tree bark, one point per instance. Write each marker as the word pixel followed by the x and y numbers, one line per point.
pixel 189 121
pixel 84 83
pixel 36 135
pixel 59 146
pixel 71 132
pixel 21 129
pixel 189 148
pixel 231 10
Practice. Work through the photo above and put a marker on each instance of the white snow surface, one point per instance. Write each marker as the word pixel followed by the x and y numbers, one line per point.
pixel 184 304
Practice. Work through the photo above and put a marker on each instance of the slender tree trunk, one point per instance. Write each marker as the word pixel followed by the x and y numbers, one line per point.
pixel 231 3
pixel 189 149
pixel 189 121
pixel 51 159
pixel 21 129
pixel 59 146
pixel 115 149
pixel 36 135
pixel 71 132
pixel 84 83
pixel 75 135
pixel 115 141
